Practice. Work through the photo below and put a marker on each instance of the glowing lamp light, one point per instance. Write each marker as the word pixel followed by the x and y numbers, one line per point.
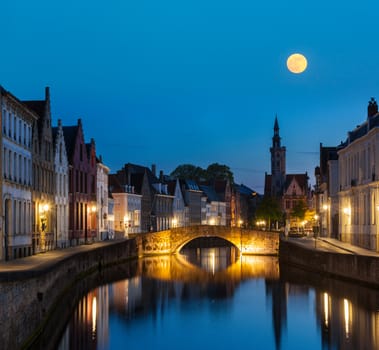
pixel 346 211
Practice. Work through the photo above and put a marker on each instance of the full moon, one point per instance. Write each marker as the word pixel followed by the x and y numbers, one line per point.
pixel 297 63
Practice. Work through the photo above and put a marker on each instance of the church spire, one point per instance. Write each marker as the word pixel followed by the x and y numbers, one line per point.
pixel 276 137
pixel 278 163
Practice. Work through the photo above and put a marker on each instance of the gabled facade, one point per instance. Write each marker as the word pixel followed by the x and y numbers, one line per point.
pixel 102 186
pixel 162 208
pixel 215 213
pixel 17 121
pixel 92 206
pixel 43 194
pixel 61 186
pixel 127 207
pixel 246 201
pixel 326 191
pixel 193 199
pixel 178 208
pixel 82 184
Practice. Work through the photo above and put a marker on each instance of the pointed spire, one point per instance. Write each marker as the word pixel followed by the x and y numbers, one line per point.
pixel 276 124
pixel 276 137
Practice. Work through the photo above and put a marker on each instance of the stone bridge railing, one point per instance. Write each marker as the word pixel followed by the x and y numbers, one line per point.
pixel 171 241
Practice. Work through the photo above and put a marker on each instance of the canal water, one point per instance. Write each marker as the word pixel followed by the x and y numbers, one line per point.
pixel 211 298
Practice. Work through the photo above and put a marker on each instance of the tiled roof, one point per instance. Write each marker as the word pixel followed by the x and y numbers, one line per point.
pixel 301 179
pixel 211 194
pixel 36 106
pixel 244 190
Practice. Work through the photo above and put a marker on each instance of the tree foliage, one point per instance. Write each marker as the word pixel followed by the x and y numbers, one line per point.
pixel 219 172
pixel 214 171
pixel 188 171
pixel 269 210
pixel 299 210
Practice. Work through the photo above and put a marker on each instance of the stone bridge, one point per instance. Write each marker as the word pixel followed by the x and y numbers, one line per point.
pixel 173 240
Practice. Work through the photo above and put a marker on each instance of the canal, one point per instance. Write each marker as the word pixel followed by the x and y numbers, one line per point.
pixel 210 297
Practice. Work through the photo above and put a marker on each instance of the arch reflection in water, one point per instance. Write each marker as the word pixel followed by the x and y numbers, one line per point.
pixel 210 259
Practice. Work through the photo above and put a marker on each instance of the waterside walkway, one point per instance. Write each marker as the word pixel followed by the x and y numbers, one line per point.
pixel 38 264
pixel 324 244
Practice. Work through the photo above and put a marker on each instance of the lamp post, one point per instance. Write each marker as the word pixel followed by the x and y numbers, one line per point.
pixel 317 227
pixel 240 223
pixel 43 211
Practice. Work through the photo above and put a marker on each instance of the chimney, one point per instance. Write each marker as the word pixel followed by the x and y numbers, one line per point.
pixel 154 169
pixel 372 108
pixel 47 93
pixel 161 175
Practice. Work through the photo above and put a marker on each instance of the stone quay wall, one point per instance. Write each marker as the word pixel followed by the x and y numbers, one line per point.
pixel 27 297
pixel 349 267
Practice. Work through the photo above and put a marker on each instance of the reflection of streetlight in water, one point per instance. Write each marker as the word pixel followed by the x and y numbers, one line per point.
pixel 213 261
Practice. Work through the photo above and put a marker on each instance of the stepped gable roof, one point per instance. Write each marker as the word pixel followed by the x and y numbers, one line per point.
pixel 210 193
pixel 70 133
pixel 301 179
pixel 54 131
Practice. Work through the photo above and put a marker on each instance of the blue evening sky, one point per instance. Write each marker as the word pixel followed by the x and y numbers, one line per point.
pixel 172 82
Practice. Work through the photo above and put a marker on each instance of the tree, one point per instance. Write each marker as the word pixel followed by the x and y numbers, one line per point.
pixel 299 210
pixel 189 172
pixel 219 172
pixel 214 171
pixel 269 210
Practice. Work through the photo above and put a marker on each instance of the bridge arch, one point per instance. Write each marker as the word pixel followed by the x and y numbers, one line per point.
pixel 171 241
pixel 190 240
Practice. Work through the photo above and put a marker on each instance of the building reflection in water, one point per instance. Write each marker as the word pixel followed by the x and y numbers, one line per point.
pixel 346 315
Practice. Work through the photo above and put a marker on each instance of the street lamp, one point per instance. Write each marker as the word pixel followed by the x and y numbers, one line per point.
pixel 240 223
pixel 43 211
pixel 90 210
pixel 317 227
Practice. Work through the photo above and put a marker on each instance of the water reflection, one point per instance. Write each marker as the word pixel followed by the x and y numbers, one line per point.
pixel 201 301
pixel 211 259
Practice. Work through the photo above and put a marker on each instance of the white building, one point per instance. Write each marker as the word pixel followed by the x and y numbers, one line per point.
pixel 61 187
pixel 127 211
pixel 215 208
pixel 126 208
pixel 16 231
pixel 358 168
pixel 178 205
pixel 102 200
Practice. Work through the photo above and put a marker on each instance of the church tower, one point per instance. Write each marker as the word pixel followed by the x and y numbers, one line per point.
pixel 278 163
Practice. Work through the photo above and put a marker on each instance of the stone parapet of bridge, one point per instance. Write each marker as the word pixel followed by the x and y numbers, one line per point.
pixel 173 240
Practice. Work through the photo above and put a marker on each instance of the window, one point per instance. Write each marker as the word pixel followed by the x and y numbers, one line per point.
pixel 4 121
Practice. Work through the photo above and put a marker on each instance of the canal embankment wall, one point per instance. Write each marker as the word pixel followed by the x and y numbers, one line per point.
pixel 27 297
pixel 347 266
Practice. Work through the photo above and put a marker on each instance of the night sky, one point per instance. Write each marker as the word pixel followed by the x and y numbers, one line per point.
pixel 172 82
